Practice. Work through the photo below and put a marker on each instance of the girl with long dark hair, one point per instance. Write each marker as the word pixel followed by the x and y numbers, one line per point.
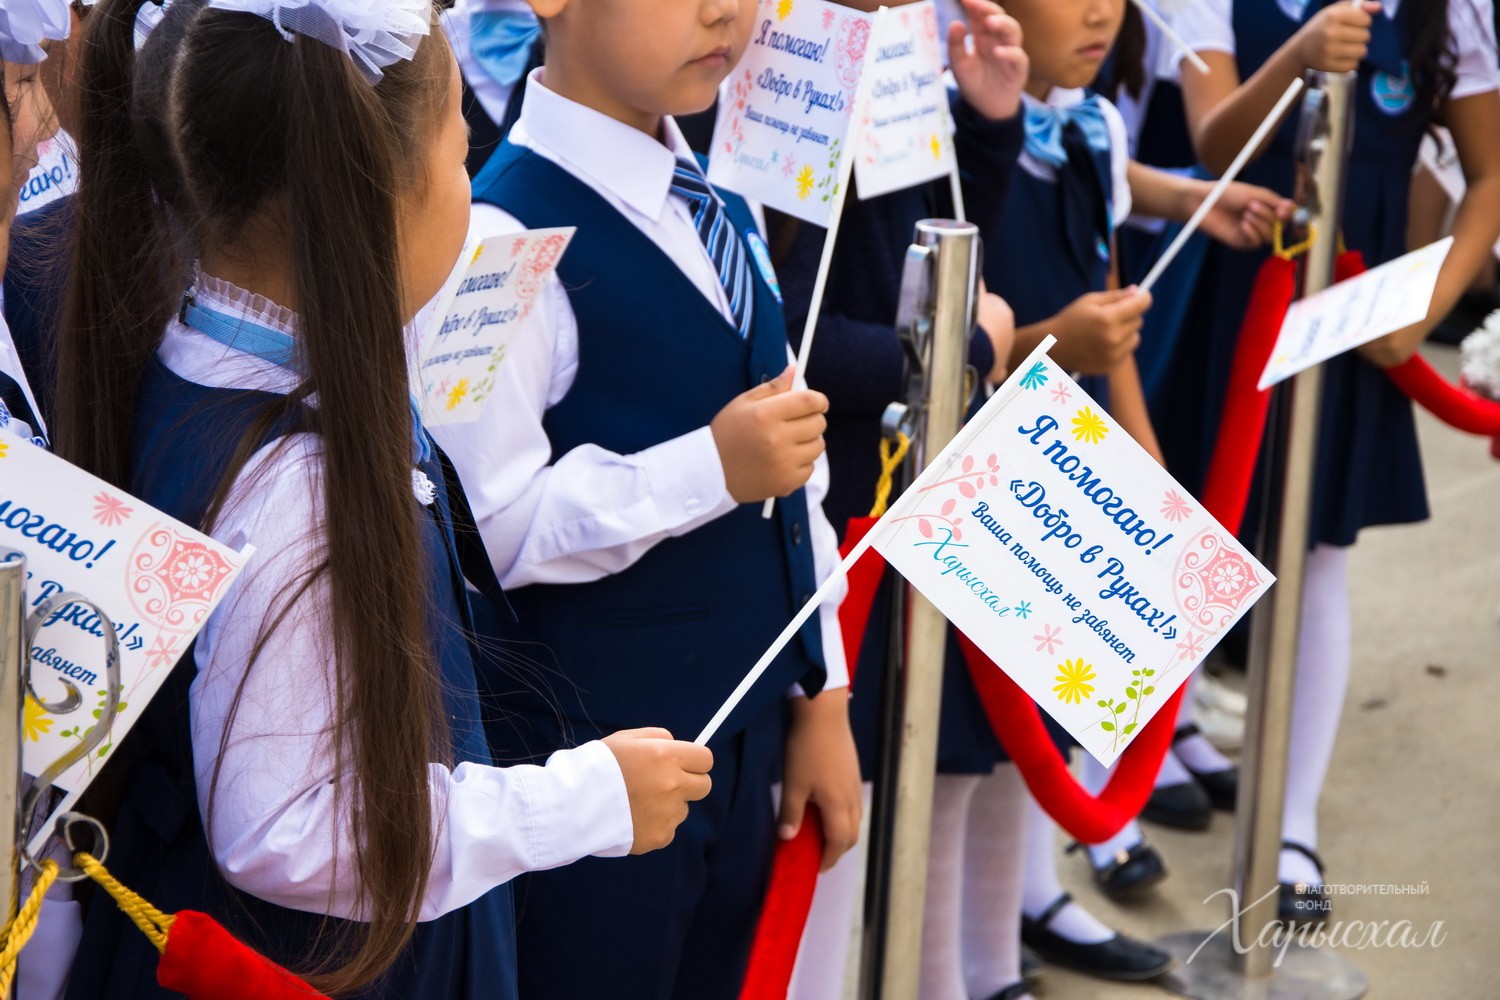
pixel 1417 63
pixel 270 192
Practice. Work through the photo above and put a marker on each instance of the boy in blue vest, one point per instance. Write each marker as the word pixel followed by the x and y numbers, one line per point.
pixel 649 411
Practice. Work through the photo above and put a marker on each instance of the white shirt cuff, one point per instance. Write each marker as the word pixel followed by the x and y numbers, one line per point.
pixel 578 806
pixel 687 481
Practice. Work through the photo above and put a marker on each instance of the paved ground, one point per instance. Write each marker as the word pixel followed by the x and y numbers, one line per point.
pixel 1412 795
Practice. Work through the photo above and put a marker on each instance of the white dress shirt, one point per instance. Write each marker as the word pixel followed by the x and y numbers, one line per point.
pixel 275 831
pixel 1208 26
pixel 592 512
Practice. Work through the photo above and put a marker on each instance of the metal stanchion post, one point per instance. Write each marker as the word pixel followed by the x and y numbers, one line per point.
pixel 939 297
pixel 1250 962
pixel 12 658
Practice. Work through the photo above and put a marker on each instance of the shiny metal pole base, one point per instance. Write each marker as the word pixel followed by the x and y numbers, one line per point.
pixel 1213 974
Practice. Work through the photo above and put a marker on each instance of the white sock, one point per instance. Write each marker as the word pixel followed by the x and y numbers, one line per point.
pixel 1172 772
pixel 823 955
pixel 1195 751
pixel 1041 887
pixel 1323 654
pixel 942 966
pixel 1095 777
pixel 994 860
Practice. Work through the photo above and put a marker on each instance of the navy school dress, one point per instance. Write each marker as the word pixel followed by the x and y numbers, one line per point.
pixel 858 362
pixel 1164 143
pixel 185 437
pixel 1369 468
pixel 664 642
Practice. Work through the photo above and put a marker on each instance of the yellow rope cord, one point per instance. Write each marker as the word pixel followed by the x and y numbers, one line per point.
pixel 1280 249
pixel 152 922
pixel 892 453
pixel 18 929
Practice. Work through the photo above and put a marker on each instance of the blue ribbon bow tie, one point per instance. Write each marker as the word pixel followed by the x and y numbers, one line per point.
pixel 1045 124
pixel 500 41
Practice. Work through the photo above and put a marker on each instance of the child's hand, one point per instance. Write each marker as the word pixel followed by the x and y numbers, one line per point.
pixel 662 776
pixel 1337 37
pixel 1099 330
pixel 991 71
pixel 1396 347
pixel 1245 216
pixel 822 768
pixel 998 320
pixel 769 437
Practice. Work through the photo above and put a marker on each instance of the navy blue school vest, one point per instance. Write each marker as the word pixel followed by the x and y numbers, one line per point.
pixel 1056 245
pixel 664 642
pixel 1388 124
pixel 185 436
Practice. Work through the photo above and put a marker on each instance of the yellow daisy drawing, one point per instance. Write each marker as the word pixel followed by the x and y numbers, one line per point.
pixel 783 9
pixel 937 147
pixel 1073 678
pixel 1089 426
pixel 458 393
pixel 34 721
pixel 804 182
pixel 3 449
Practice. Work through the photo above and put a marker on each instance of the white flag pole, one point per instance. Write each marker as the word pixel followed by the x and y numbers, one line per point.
pixel 1151 14
pixel 958 193
pixel 836 213
pixel 903 504
pixel 1264 129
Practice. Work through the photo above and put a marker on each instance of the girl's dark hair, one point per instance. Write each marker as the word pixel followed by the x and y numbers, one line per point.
pixel 1127 64
pixel 1433 61
pixel 223 135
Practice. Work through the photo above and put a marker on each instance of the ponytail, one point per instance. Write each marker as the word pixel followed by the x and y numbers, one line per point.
pixel 392 726
pixel 125 266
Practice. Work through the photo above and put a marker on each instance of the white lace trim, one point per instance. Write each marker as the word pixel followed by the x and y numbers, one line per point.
pixel 225 296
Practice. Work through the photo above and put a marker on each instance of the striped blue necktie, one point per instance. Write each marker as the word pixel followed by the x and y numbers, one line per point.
pixel 720 239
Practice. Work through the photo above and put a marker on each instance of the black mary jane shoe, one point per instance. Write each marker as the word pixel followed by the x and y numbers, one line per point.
pixel 1119 958
pixel 1300 903
pixel 1182 807
pixel 1015 991
pixel 1131 872
pixel 1223 787
pixel 1032 966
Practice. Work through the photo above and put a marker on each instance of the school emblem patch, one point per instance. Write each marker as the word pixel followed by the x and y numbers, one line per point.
pixel 1293 9
pixel 761 254
pixel 1393 94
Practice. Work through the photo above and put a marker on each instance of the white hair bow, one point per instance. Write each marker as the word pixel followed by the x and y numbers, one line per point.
pixel 25 24
pixel 374 33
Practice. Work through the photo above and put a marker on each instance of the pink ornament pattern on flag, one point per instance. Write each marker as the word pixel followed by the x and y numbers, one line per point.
pixel 174 580
pixel 1049 639
pixel 110 511
pixel 1175 508
pixel 1213 581
pixel 540 259
pixel 972 478
pixel 854 38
